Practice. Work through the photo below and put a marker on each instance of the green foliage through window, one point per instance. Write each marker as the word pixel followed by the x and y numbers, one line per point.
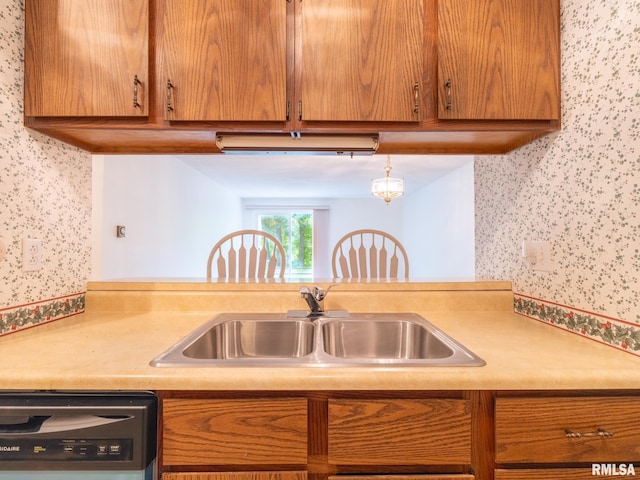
pixel 295 231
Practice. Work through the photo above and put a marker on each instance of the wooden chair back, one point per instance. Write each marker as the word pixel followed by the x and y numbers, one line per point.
pixel 247 254
pixel 369 254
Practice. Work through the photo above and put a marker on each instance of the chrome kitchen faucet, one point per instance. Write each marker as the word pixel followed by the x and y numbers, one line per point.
pixel 315 299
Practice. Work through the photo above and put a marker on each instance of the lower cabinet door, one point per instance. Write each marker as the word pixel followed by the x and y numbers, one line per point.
pixel 399 432
pixel 234 432
pixel 235 476
pixel 426 476
pixel 567 430
pixel 601 471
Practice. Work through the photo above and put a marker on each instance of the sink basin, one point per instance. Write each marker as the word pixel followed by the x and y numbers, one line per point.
pixel 382 339
pixel 253 339
pixel 244 340
pixel 279 340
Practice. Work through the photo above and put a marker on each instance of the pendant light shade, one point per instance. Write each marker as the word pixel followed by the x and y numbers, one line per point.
pixel 387 188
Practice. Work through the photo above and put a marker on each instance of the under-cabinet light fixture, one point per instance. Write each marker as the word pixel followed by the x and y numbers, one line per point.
pixel 296 143
pixel 387 188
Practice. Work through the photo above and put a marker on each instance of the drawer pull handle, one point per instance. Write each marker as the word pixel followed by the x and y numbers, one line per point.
pixel 601 432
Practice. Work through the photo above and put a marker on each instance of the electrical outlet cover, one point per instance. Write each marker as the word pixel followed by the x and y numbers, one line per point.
pixel 538 255
pixel 31 254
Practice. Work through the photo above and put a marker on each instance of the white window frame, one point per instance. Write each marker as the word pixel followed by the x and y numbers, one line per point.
pixel 321 267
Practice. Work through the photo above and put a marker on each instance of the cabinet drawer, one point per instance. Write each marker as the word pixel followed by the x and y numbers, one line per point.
pixel 399 432
pixel 235 476
pixel 549 474
pixel 234 432
pixel 549 430
pixel 426 476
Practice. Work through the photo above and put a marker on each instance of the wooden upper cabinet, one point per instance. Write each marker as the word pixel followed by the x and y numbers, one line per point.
pixel 224 60
pixel 360 60
pixel 499 59
pixel 86 58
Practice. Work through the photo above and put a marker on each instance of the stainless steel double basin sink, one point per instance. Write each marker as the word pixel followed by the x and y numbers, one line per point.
pixel 278 340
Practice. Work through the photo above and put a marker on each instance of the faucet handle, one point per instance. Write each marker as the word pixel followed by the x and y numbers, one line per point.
pixel 319 293
pixel 304 290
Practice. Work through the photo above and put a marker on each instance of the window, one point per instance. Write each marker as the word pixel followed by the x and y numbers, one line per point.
pixel 294 230
pixel 302 232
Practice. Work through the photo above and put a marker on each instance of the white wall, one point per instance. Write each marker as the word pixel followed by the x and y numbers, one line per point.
pixel 172 213
pixel 439 227
pixel 344 216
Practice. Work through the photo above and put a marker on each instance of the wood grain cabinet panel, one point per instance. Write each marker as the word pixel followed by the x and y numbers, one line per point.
pixel 235 476
pixel 553 430
pixel 234 432
pixel 224 60
pixel 427 476
pixel 549 474
pixel 499 59
pixel 82 58
pixel 399 432
pixel 361 60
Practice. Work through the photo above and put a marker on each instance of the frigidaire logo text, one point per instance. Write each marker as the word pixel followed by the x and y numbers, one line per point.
pixel 9 448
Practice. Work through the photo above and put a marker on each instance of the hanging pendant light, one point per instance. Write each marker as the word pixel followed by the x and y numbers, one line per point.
pixel 387 188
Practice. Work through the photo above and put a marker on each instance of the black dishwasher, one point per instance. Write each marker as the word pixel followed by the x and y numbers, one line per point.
pixel 78 435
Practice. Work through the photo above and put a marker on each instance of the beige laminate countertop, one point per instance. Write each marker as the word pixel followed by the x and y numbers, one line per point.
pixel 111 344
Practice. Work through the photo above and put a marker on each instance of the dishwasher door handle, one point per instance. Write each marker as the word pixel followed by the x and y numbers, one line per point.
pixel 35 425
pixel 21 423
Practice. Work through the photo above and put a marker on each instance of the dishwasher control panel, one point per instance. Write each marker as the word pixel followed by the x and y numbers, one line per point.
pixel 65 449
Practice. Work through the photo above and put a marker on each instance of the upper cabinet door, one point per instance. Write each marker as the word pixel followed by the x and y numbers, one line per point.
pixel 224 59
pixel 86 58
pixel 361 60
pixel 499 59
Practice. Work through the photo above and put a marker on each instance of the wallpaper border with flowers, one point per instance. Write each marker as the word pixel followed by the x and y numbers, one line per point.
pixel 610 331
pixel 32 314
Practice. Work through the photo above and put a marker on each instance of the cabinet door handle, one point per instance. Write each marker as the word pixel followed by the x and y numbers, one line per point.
pixel 136 85
pixel 416 98
pixel 601 432
pixel 169 96
pixel 448 87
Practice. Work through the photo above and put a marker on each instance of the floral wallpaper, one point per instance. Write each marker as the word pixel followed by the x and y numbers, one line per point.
pixel 45 193
pixel 578 188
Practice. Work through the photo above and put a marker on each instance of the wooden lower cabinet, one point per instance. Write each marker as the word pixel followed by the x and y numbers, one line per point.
pixel 433 476
pixel 235 476
pixel 599 436
pixel 359 435
pixel 566 429
pixel 399 432
pixel 234 431
pixel 317 435
pixel 550 474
